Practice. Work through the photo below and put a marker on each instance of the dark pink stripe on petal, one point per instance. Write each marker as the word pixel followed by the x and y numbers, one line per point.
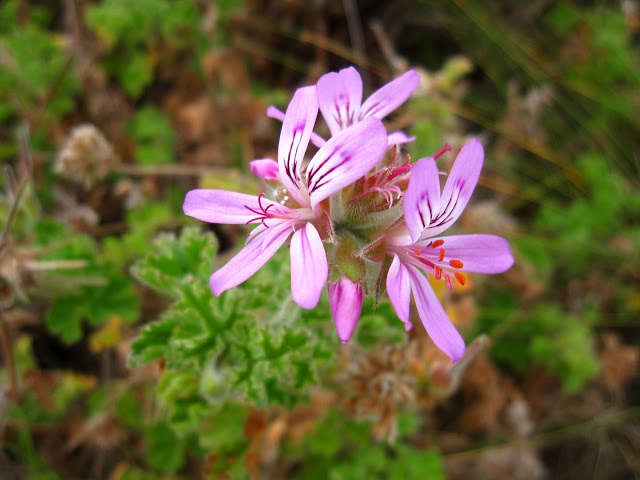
pixel 390 96
pixel 345 158
pixel 339 97
pixel 296 130
pixel 422 198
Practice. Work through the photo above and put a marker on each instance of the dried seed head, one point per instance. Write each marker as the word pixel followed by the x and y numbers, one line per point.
pixel 86 156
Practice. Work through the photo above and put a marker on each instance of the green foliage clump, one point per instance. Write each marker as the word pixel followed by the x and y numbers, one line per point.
pixel 545 335
pixel 342 449
pixel 577 236
pixel 35 69
pixel 143 223
pixel 154 134
pixel 135 32
pixel 96 291
pixel 250 343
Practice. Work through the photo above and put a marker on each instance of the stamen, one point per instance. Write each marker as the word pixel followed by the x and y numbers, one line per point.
pixel 449 282
pixel 456 263
pixel 442 252
pixel 416 250
pixel 444 150
pixel 437 272
pixel 461 278
pixel 437 243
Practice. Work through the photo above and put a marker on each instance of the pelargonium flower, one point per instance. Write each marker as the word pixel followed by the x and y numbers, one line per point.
pixel 427 213
pixel 340 101
pixel 341 160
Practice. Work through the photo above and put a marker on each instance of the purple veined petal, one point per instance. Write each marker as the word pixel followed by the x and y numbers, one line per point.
pixel 339 98
pixel 399 290
pixel 390 96
pixel 297 126
pixel 273 112
pixel 223 206
pixel 345 302
pixel 398 138
pixel 479 253
pixel 345 158
pixel 251 258
pixel 422 198
pixel 435 320
pixel 459 187
pixel 265 168
pixel 309 267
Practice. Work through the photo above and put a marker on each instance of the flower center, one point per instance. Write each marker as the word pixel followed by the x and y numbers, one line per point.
pixel 432 257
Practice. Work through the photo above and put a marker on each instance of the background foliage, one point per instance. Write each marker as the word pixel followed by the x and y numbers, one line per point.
pixel 119 363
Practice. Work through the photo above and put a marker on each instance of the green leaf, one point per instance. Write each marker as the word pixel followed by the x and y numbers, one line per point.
pixel 176 261
pixel 165 451
pixel 154 134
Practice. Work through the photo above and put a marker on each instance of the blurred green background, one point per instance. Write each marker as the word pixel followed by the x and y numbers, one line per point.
pixel 119 364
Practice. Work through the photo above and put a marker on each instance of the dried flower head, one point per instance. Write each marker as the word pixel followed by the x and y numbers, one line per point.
pixel 86 156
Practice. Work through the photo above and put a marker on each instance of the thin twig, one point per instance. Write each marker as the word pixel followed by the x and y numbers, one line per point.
pixel 169 170
pixel 354 25
pixel 7 352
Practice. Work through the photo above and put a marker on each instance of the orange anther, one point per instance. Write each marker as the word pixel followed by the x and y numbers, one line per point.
pixel 456 263
pixel 438 273
pixel 437 243
pixel 416 250
pixel 441 255
pixel 460 277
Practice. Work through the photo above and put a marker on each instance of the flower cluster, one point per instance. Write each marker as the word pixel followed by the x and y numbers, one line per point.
pixel 357 211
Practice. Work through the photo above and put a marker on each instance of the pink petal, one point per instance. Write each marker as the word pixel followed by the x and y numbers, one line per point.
pixel 457 191
pixel 434 318
pixel 399 290
pixel 251 258
pixel 390 96
pixel 223 206
pixel 339 97
pixel 398 138
pixel 273 112
pixel 265 168
pixel 276 113
pixel 294 137
pixel 308 266
pixel 479 253
pixel 345 158
pixel 345 301
pixel 422 198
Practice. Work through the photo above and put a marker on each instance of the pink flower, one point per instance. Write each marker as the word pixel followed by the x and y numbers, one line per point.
pixel 340 101
pixel 342 160
pixel 420 250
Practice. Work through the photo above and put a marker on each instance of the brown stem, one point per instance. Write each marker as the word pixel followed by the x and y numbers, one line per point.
pixel 7 352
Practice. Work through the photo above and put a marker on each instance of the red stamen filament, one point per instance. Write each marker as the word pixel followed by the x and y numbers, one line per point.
pixel 438 272
pixel 444 150
pixel 449 282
